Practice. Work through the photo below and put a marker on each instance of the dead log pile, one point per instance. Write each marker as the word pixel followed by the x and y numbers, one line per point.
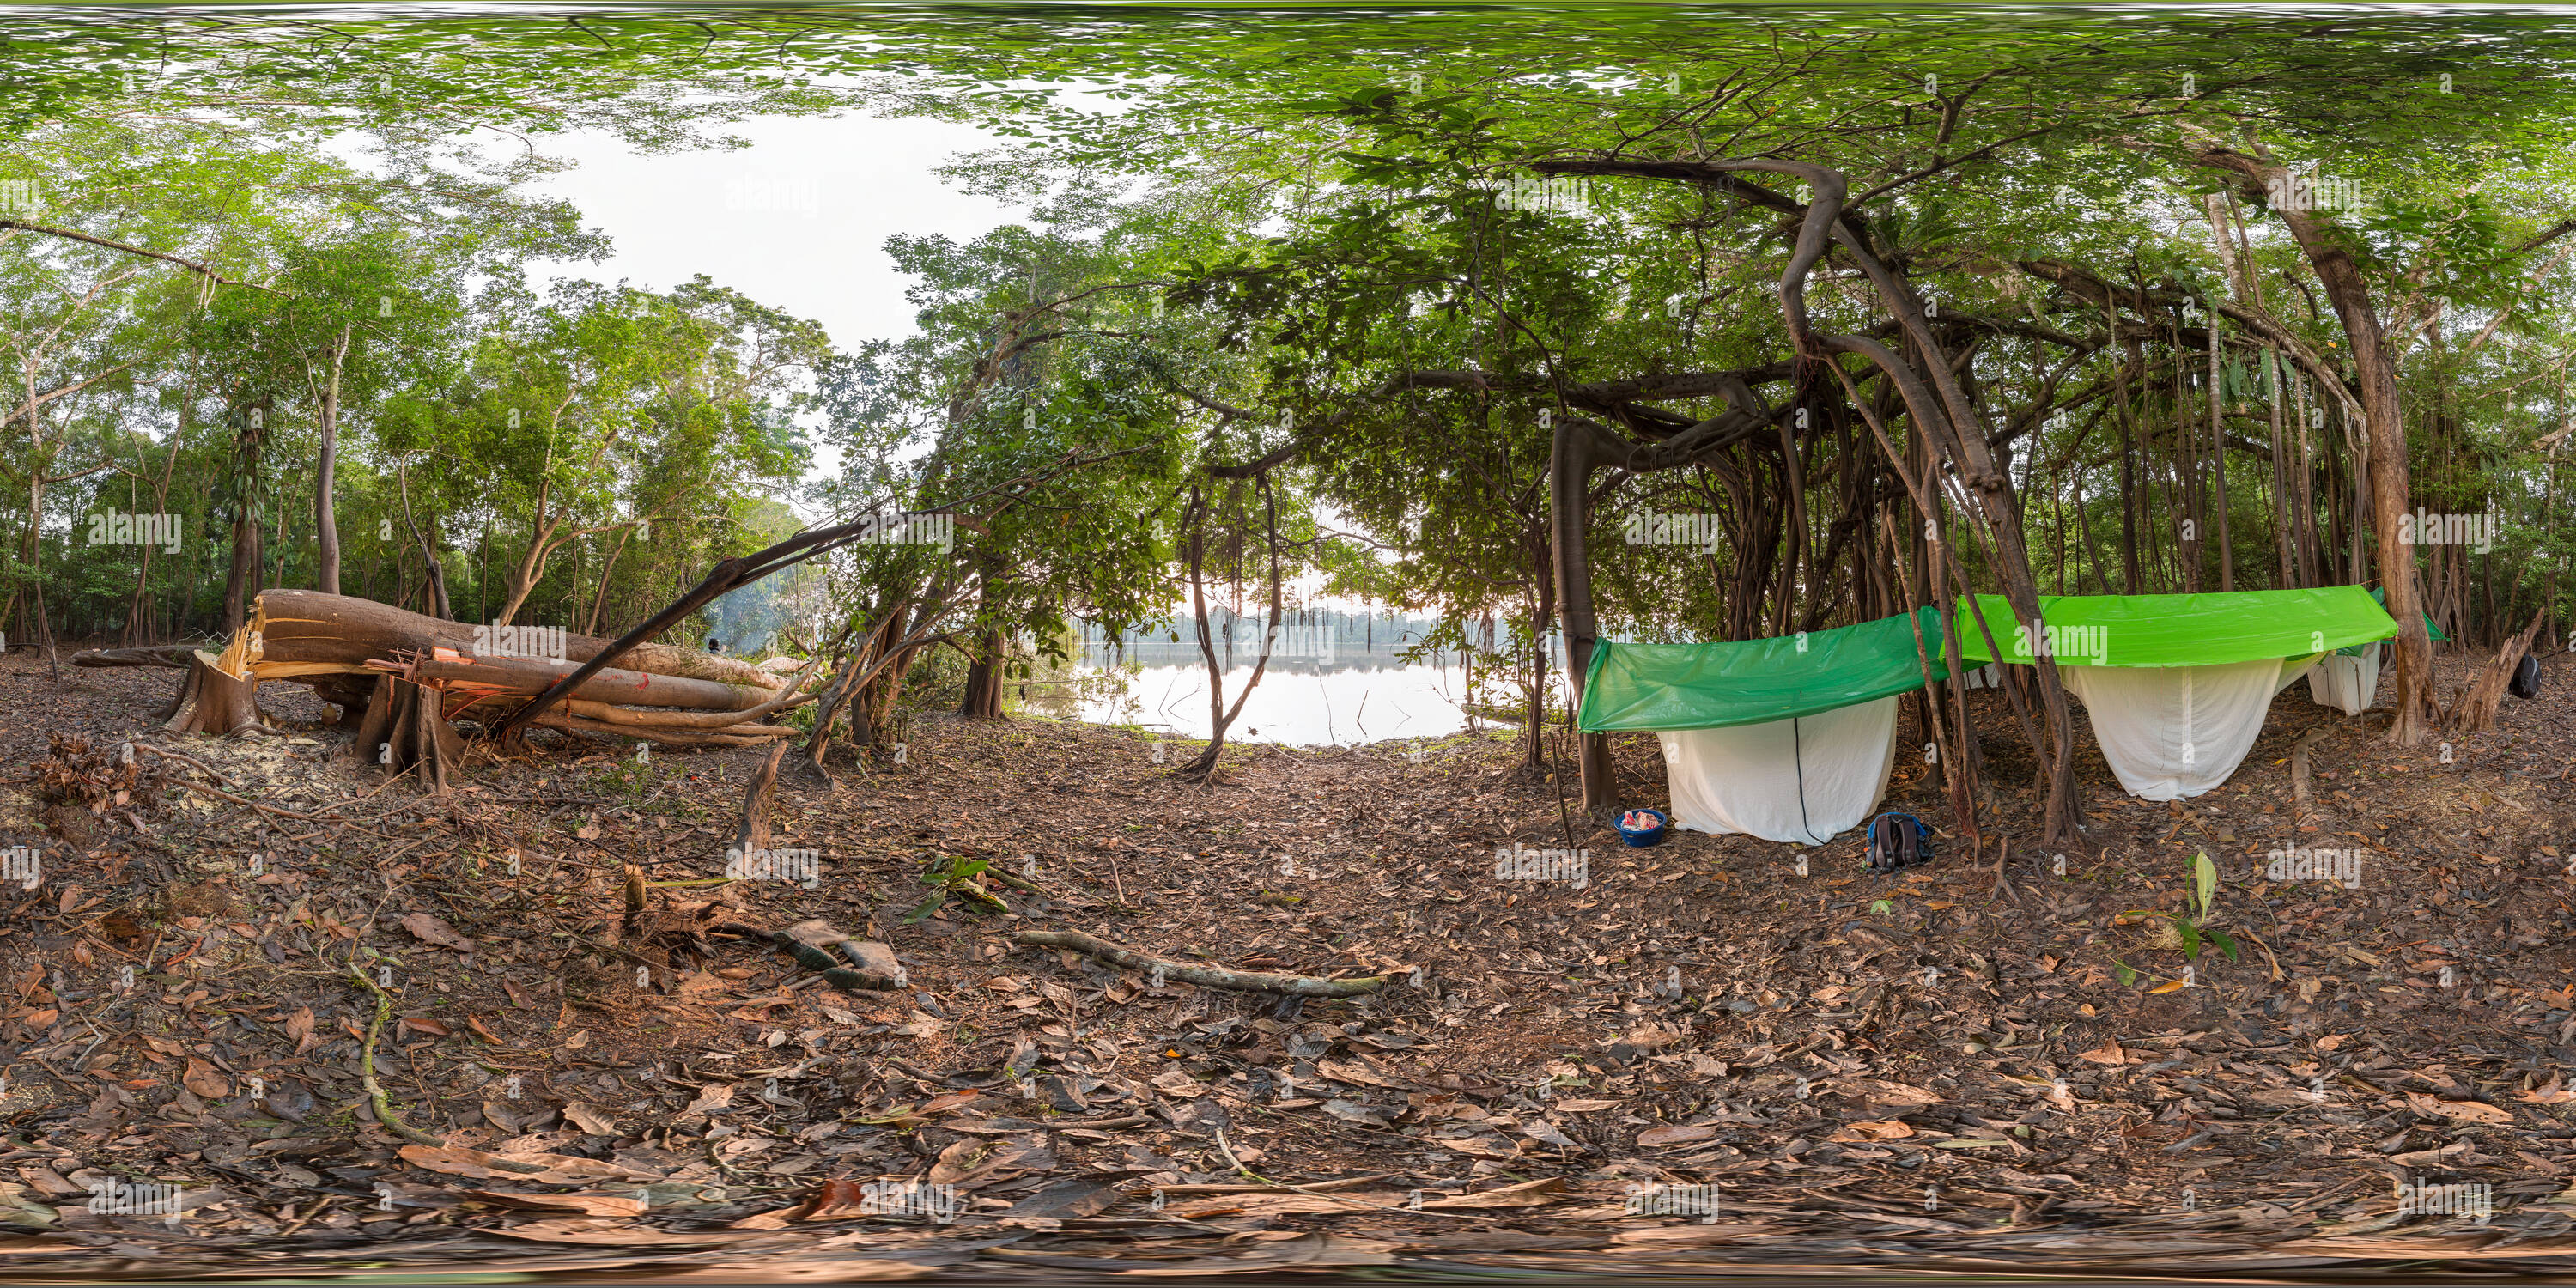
pixel 403 677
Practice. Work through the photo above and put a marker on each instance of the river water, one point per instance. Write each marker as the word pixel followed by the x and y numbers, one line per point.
pixel 1315 697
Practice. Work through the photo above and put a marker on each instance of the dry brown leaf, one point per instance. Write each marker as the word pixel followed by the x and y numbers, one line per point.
pixel 2466 1111
pixel 1303 1250
pixel 1873 1129
pixel 429 929
pixel 959 1159
pixel 1292 1203
pixel 202 1079
pixel 618 1233
pixel 1654 1137
pixel 1879 1091
pixel 548 1169
pixel 832 1200
pixel 588 1117
pixel 2107 1053
pixel 1539 1193
pixel 586 1204
pixel 1358 1074
pixel 49 1183
pixel 711 1097
pixel 299 1026
pixel 424 1024
pixel 703 984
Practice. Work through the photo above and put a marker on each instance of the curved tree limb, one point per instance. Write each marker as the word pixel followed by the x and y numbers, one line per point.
pixel 1210 976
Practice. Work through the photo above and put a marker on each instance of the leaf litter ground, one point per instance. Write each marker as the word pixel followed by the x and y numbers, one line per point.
pixel 1940 1071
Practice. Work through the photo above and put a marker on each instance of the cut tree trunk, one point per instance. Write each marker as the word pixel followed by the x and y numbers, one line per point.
pixel 405 731
pixel 753 836
pixel 212 700
pixel 2476 710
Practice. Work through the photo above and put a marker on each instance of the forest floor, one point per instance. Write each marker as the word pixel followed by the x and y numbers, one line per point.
pixel 1937 1071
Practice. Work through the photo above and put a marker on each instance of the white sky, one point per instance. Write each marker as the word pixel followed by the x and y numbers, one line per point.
pixel 797 221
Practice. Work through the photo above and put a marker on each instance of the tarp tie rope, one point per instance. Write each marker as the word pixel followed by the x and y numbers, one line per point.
pixel 1798 757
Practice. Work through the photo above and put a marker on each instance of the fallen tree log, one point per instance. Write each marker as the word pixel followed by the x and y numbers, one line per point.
pixel 400 678
pixel 1211 976
pixel 291 633
pixel 526 677
pixel 171 655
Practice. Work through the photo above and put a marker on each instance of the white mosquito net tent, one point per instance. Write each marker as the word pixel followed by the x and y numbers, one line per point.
pixel 1787 739
pixel 2176 686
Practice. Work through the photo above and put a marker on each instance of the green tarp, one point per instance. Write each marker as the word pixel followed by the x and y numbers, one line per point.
pixel 1644 687
pixel 2181 630
pixel 2379 596
pixel 1715 686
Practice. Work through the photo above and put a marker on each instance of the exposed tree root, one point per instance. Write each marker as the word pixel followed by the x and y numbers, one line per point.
pixel 1211 976
pixel 376 1099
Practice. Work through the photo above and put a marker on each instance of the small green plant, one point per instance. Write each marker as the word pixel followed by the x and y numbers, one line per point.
pixel 2186 933
pixel 951 876
pixel 625 777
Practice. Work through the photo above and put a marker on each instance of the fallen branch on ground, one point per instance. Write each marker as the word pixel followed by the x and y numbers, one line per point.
pixel 733 735
pixel 1211 976
pixel 184 758
pixel 2299 793
pixel 279 810
pixel 877 970
pixel 376 1100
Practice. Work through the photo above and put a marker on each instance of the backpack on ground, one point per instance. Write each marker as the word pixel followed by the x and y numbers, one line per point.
pixel 1898 841
pixel 2526 678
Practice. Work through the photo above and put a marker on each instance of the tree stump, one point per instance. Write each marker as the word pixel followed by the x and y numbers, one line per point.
pixel 753 836
pixel 2475 710
pixel 211 701
pixel 405 730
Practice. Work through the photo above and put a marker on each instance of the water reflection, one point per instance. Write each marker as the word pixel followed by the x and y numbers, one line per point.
pixel 1316 691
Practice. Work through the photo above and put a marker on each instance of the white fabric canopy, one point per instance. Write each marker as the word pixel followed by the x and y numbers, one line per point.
pixel 2176 731
pixel 2349 684
pixel 1753 778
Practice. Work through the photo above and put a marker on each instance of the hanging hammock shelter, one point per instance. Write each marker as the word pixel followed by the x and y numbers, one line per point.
pixel 1787 739
pixel 2177 685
